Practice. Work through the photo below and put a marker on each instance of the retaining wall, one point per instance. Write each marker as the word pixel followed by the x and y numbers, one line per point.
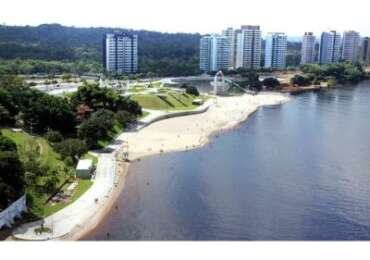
pixel 8 215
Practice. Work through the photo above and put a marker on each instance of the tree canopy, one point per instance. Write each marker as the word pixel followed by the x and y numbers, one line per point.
pixel 343 72
pixel 12 178
pixel 97 98
pixel 41 47
pixel 271 83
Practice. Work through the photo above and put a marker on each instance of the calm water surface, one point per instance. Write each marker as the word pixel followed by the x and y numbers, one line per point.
pixel 300 171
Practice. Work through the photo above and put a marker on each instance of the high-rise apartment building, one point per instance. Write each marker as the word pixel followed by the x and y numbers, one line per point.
pixel 248 47
pixel 120 53
pixel 275 51
pixel 330 46
pixel 365 50
pixel 230 34
pixel 351 46
pixel 214 53
pixel 308 48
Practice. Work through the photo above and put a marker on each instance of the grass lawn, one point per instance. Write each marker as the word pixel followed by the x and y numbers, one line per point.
pixel 82 187
pixel 48 156
pixel 156 84
pixel 169 101
pixel 149 101
pixel 137 88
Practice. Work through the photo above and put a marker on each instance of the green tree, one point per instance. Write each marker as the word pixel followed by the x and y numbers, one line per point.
pixel 271 83
pixel 191 90
pixel 5 117
pixel 54 136
pixel 300 80
pixel 6 144
pixel 12 176
pixel 96 98
pixel 73 148
pixel 124 118
pixel 47 111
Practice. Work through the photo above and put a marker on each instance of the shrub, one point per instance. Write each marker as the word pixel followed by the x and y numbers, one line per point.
pixel 300 80
pixel 73 148
pixel 96 127
pixel 54 136
pixel 271 83
pixel 191 90
pixel 123 118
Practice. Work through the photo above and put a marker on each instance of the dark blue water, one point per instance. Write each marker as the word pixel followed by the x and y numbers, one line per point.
pixel 300 171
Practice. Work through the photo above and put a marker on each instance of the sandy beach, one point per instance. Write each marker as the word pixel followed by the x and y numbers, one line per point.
pixel 189 132
pixel 174 134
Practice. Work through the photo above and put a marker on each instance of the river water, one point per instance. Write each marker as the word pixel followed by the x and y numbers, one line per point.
pixel 300 171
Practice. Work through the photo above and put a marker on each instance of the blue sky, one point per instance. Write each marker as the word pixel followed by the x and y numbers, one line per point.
pixel 292 17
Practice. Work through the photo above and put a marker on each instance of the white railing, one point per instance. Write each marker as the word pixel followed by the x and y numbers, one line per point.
pixel 15 210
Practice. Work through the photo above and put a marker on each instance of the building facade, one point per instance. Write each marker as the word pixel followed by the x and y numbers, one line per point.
pixel 120 53
pixel 365 50
pixel 230 34
pixel 308 48
pixel 351 46
pixel 214 53
pixel 248 47
pixel 330 46
pixel 275 51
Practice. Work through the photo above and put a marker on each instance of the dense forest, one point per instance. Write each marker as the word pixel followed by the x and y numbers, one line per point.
pixel 53 48
pixel 160 53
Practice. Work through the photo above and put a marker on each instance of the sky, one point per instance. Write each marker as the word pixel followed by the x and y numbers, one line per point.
pixel 194 16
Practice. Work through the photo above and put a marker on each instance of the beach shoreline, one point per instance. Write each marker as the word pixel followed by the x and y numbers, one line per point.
pixel 175 134
pixel 204 138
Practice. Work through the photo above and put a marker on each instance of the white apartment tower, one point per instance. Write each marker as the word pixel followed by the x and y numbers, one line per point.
pixel 308 48
pixel 330 45
pixel 214 53
pixel 230 34
pixel 120 53
pixel 351 46
pixel 275 51
pixel 248 47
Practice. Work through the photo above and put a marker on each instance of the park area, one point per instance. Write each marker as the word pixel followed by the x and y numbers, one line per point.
pixel 167 99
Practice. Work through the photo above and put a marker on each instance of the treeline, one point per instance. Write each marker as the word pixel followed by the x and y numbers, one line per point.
pixel 18 66
pixel 338 73
pixel 160 53
pixel 36 51
pixel 39 112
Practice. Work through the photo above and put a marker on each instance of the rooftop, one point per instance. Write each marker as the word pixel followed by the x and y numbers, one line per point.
pixel 84 164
